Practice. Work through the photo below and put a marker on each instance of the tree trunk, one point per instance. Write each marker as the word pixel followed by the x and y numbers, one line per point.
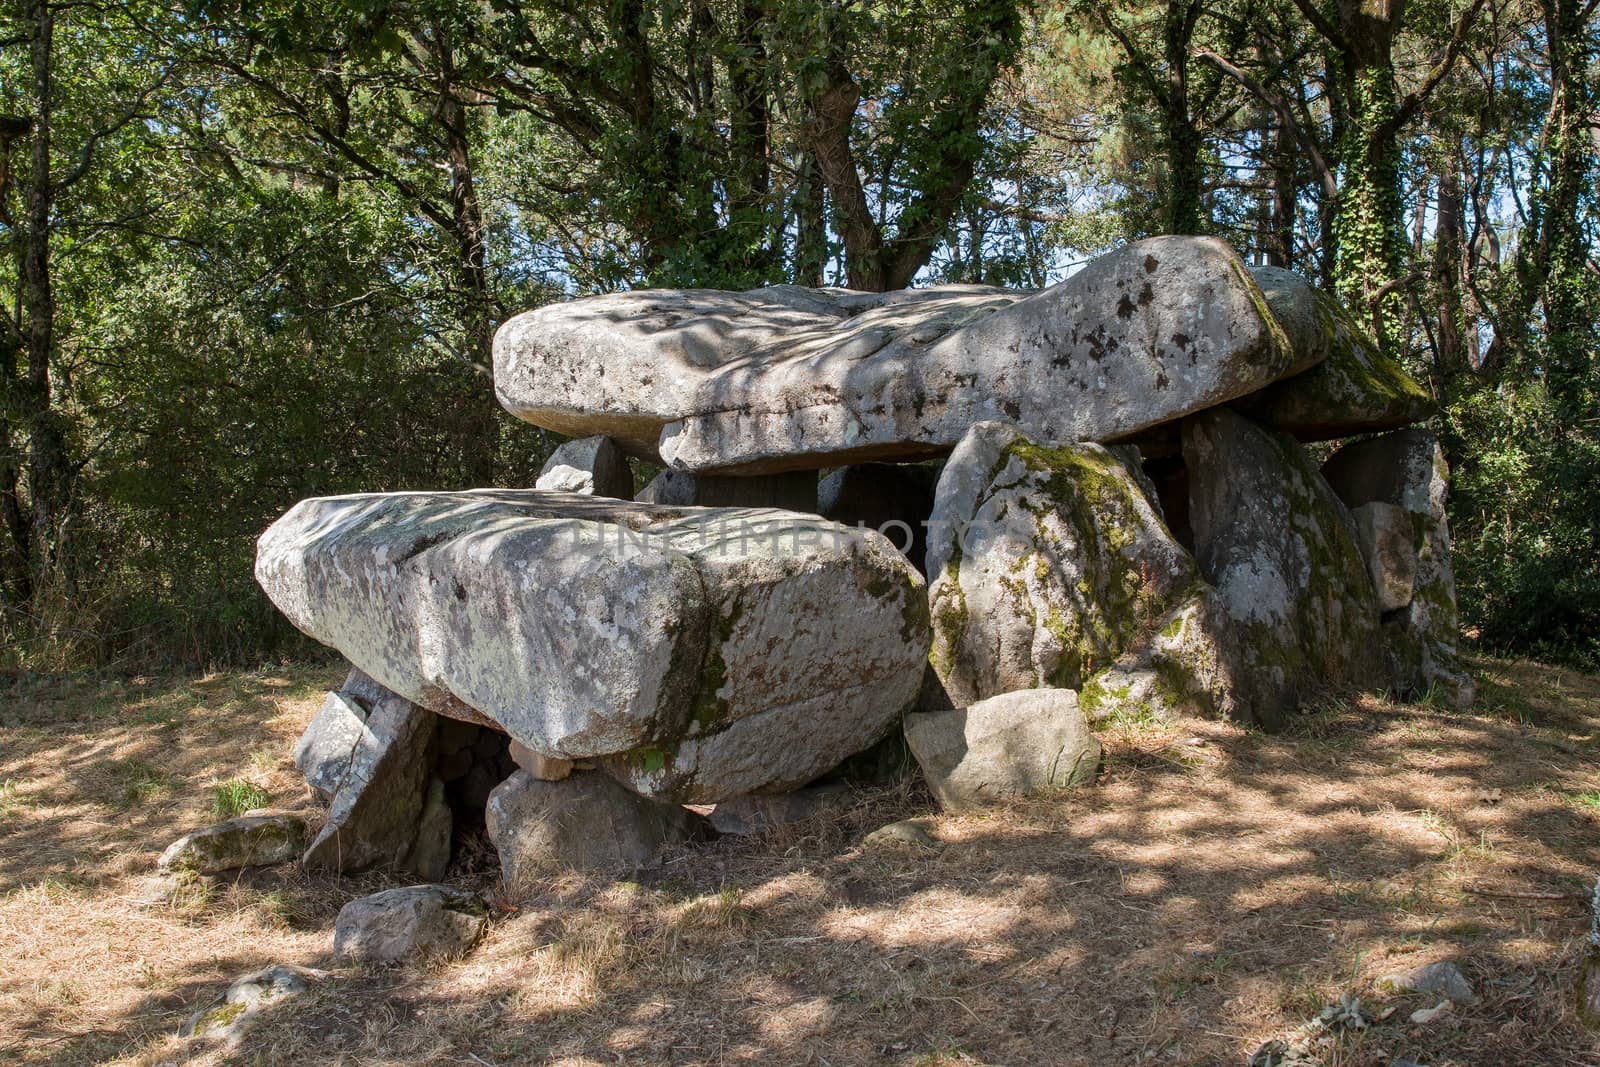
pixel 1369 219
pixel 1185 207
pixel 49 471
pixel 479 446
pixel 1448 247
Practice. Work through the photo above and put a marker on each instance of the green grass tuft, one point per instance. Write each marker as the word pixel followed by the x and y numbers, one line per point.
pixel 234 798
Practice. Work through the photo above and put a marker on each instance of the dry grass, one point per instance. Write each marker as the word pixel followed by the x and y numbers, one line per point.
pixel 1212 891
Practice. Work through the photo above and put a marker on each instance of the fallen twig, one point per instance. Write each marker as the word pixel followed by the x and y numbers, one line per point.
pixel 1513 894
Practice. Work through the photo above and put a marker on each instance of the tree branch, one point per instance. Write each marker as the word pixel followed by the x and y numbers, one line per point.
pixel 1280 107
pixel 1418 96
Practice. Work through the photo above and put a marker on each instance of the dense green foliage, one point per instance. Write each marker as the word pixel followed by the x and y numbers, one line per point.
pixel 253 252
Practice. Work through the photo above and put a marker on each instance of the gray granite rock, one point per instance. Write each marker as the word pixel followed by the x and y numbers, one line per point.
pixel 226 1018
pixel 1356 389
pixel 786 379
pixel 1406 469
pixel 592 466
pixel 253 840
pixel 1006 746
pixel 377 806
pixel 413 922
pixel 1281 551
pixel 586 627
pixel 1045 565
pixel 585 822
pixel 323 752
pixel 429 857
pixel 1387 537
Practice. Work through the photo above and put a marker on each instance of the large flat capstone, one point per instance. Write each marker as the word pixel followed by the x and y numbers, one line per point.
pixel 787 378
pixel 711 652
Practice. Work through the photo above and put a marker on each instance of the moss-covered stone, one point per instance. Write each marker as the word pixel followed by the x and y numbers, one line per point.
pixel 1355 389
pixel 247 841
pixel 1047 563
pixel 1281 551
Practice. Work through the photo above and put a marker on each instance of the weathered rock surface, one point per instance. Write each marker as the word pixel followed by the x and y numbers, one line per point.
pixel 323 752
pixel 1386 534
pixel 759 814
pixel 1406 469
pixel 786 378
pixel 229 1015
pixel 400 924
pixel 1045 565
pixel 1441 978
pixel 1009 745
pixel 907 833
pixel 1281 551
pixel 1188 666
pixel 378 804
pixel 430 852
pixel 545 768
pixel 587 821
pixel 254 840
pixel 593 466
pixel 588 627
pixel 893 498
pixel 1356 389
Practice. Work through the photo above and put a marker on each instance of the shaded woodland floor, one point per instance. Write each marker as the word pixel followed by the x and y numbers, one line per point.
pixel 1216 888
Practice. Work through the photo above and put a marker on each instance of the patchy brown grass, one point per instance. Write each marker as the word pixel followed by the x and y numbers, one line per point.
pixel 1212 891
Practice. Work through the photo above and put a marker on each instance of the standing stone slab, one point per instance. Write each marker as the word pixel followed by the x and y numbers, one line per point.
pixel 378 805
pixel 1386 534
pixel 1356 389
pixel 1406 470
pixel 1190 665
pixel 1045 565
pixel 787 379
pixel 323 752
pixel 587 627
pixel 585 822
pixel 1281 551
pixel 593 466
pixel 1009 745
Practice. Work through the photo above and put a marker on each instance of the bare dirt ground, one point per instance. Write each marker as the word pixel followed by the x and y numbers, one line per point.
pixel 1214 890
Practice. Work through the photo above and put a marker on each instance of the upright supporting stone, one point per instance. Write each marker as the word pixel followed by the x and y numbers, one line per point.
pixel 593 466
pixel 1044 565
pixel 378 803
pixel 1406 469
pixel 586 822
pixel 1281 550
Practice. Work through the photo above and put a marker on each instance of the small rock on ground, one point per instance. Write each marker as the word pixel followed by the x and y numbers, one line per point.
pixel 916 832
pixel 1442 978
pixel 398 924
pixel 253 840
pixel 227 1016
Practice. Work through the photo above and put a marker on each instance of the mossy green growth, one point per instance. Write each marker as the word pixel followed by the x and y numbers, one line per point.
pixel 1277 336
pixel 948 614
pixel 219 1018
pixel 709 710
pixel 1357 387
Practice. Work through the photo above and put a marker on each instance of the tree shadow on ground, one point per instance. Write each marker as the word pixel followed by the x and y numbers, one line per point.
pixel 1214 889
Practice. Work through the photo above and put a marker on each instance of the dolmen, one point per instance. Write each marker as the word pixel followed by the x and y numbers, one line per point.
pixel 870 506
